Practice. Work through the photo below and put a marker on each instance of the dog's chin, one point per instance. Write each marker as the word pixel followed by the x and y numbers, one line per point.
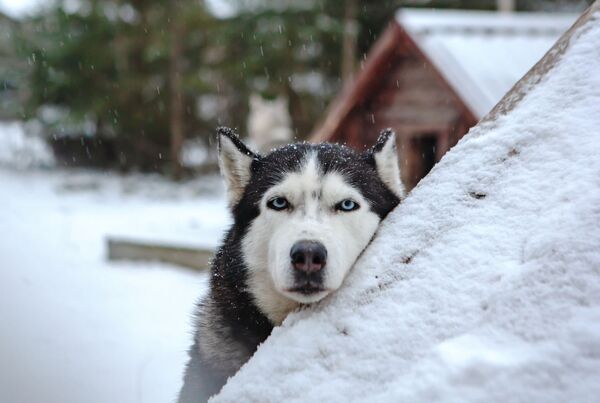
pixel 306 294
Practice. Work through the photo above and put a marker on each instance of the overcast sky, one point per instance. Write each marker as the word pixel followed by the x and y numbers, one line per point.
pixel 18 8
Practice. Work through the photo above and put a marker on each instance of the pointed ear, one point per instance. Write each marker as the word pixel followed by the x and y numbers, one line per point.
pixel 235 160
pixel 386 161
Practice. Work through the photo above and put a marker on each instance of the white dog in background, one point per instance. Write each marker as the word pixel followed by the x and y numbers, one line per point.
pixel 269 123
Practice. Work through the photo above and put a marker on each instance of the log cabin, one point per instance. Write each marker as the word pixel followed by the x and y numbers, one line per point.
pixel 432 75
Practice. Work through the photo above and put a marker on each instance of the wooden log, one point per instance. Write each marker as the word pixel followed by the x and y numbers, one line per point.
pixel 192 258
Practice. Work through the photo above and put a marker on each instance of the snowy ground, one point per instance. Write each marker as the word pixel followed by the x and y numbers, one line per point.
pixel 74 327
pixel 484 285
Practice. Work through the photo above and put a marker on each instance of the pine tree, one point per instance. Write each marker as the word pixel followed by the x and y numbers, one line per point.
pixel 105 68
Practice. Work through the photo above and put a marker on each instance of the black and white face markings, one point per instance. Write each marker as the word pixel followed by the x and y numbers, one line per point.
pixel 306 212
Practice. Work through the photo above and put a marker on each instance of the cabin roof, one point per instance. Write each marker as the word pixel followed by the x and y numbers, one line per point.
pixel 482 54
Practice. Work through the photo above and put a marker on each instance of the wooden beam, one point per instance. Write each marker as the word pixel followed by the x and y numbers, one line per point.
pixel 132 250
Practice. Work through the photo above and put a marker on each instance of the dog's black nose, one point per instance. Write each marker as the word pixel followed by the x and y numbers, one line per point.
pixel 308 256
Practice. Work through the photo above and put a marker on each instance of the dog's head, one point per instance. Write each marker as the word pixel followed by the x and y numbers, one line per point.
pixel 305 212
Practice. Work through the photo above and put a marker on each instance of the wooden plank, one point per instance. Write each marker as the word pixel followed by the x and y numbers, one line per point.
pixel 192 258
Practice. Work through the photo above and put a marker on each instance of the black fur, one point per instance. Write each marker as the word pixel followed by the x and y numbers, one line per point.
pixel 236 319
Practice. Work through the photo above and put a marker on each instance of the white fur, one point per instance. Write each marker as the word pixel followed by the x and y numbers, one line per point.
pixel 388 169
pixel 235 167
pixel 272 234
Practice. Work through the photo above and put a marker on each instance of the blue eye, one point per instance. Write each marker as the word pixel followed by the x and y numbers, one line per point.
pixel 347 205
pixel 278 203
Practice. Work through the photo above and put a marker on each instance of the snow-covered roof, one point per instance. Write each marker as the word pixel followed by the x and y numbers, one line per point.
pixel 482 54
pixel 483 284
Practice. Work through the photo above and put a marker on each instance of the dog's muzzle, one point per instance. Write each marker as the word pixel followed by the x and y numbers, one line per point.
pixel 308 259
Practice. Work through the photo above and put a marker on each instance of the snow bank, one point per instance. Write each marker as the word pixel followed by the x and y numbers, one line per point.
pixel 76 328
pixel 484 285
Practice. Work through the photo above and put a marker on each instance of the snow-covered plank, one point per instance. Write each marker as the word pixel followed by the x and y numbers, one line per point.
pixel 484 284
pixel 134 250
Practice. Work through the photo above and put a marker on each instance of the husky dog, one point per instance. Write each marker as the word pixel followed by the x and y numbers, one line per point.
pixel 302 215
